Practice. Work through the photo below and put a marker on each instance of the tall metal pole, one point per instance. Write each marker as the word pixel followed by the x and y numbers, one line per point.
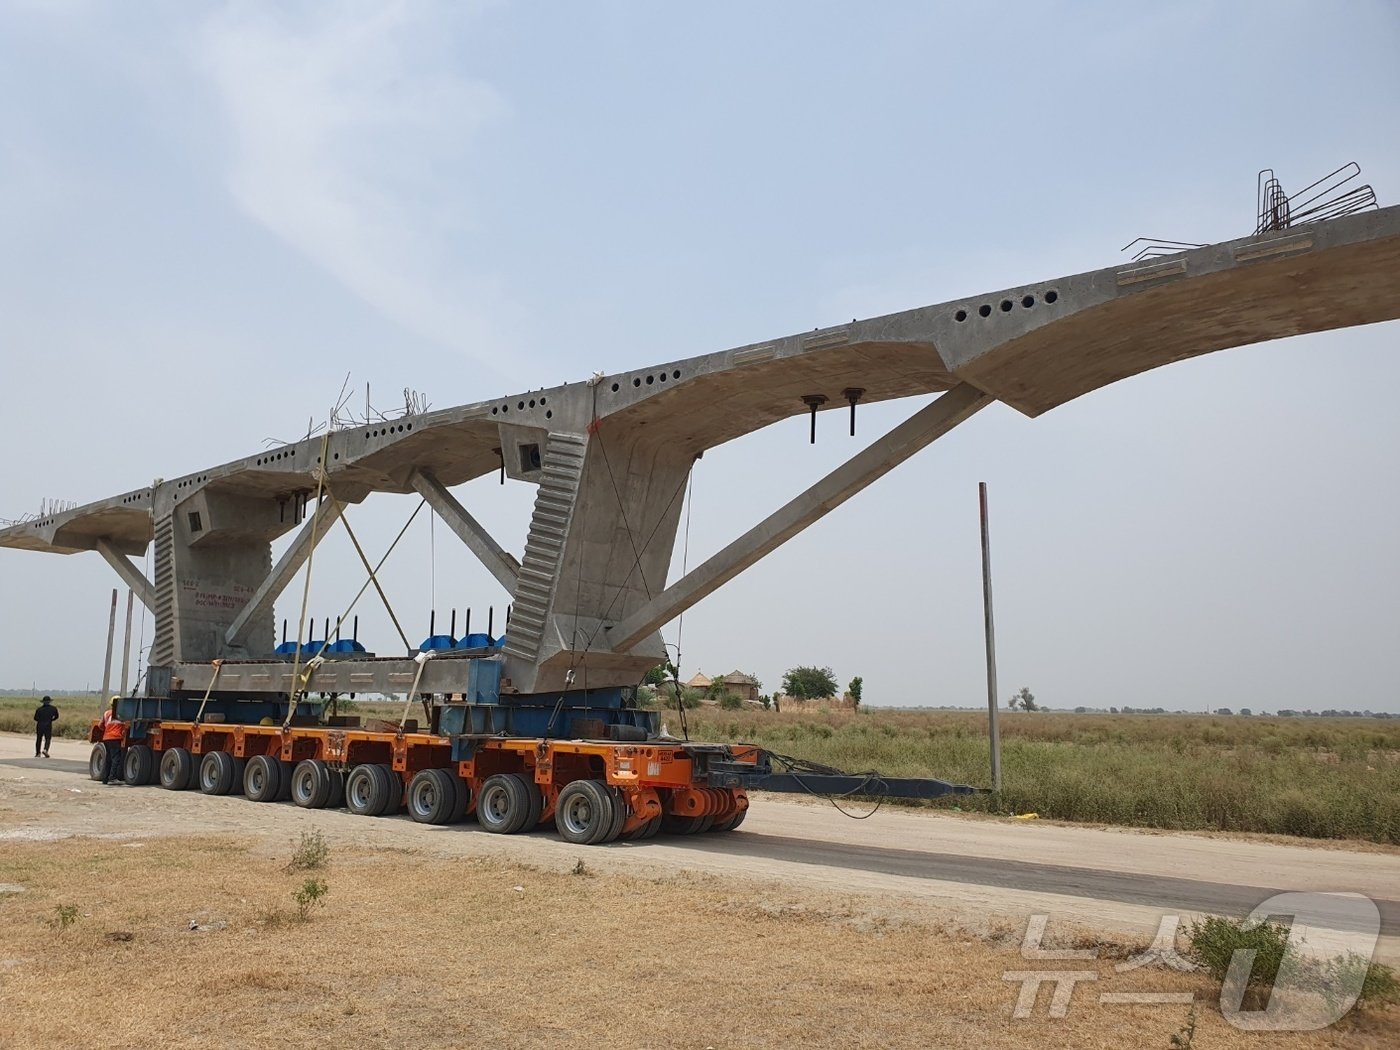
pixel 990 629
pixel 111 638
pixel 126 643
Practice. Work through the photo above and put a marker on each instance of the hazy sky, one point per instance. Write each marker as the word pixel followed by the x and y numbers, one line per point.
pixel 210 214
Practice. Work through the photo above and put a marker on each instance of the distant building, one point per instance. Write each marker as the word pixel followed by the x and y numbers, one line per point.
pixel 701 681
pixel 744 686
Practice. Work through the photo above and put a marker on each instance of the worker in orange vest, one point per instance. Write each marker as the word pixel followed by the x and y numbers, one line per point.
pixel 112 731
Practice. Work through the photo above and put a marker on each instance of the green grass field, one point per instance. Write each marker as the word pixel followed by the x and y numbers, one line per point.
pixel 1318 778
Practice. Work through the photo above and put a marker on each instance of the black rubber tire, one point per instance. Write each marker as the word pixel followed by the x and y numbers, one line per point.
pixel 240 765
pixel 176 769
pixel 706 823
pixel 217 773
pixel 463 793
pixel 365 790
pixel 651 828
pixel 585 813
pixel 536 802
pixel 337 796
pixel 284 793
pixel 621 811
pixel 139 765
pixel 674 825
pixel 393 791
pixel 262 779
pixel 310 784
pixel 644 831
pixel 504 805
pixel 732 823
pixel 97 763
pixel 432 797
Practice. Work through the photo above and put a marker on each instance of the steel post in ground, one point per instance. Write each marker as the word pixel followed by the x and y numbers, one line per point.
pixel 126 642
pixel 111 639
pixel 993 730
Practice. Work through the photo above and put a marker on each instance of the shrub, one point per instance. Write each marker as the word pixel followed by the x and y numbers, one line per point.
pixel 1214 941
pixel 310 853
pixel 312 894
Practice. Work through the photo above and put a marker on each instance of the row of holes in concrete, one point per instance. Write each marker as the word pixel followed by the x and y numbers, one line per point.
pixel 520 406
pixel 637 380
pixel 1027 301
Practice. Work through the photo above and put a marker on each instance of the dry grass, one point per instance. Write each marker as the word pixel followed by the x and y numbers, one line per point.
pixel 411 950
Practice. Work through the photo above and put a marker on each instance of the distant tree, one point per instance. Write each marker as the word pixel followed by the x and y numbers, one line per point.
pixel 766 701
pixel 1113 710
pixel 657 675
pixel 810 683
pixel 731 701
pixel 854 689
pixel 1025 700
pixel 1246 712
pixel 690 698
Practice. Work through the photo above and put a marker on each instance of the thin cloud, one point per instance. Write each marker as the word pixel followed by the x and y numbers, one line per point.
pixel 349 139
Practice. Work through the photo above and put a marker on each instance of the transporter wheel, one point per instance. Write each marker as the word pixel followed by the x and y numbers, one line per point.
pixel 393 791
pixel 651 828
pixel 217 773
pixel 674 825
pixel 139 766
pixel 310 784
pixel 535 801
pixel 337 795
pixel 432 797
pixel 706 823
pixel 262 779
pixel 731 823
pixel 463 795
pixel 365 790
pixel 176 769
pixel 585 813
pixel 284 792
pixel 97 762
pixel 504 805
pixel 621 811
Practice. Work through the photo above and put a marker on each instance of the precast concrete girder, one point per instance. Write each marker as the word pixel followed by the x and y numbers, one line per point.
pixel 879 458
pixel 130 574
pixel 470 531
pixel 318 524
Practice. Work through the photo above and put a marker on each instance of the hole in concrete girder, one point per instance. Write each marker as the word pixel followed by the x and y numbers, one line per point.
pixel 650 380
pixel 676 374
pixel 410 426
pixel 1006 306
pixel 1051 295
pixel 493 411
pixel 637 381
pixel 532 402
pixel 985 310
pixel 1027 301
pixel 505 409
pixel 521 406
pixel 661 376
pixel 960 316
pixel 549 414
pixel 336 456
pixel 541 402
pixel 614 388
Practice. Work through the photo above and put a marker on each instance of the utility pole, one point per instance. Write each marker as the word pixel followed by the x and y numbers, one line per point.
pixel 111 639
pixel 990 629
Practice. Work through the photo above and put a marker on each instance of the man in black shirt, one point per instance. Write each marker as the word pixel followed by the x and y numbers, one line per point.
pixel 44 717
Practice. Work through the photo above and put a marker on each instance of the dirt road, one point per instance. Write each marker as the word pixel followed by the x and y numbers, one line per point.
pixel 899 861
